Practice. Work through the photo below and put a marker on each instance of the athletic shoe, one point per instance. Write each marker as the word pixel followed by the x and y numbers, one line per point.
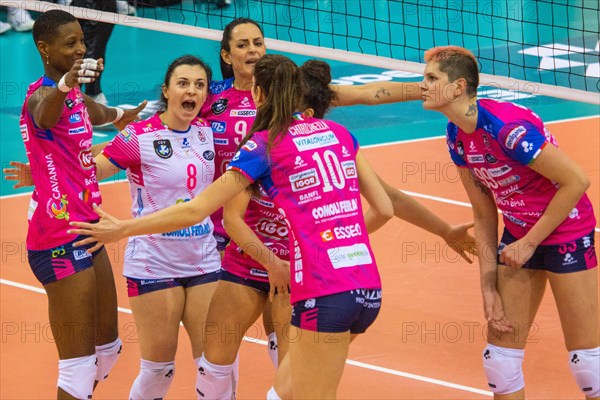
pixel 19 19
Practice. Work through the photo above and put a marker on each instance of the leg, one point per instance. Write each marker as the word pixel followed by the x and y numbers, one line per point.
pixel 317 362
pixel 197 302
pixel 72 314
pixel 234 308
pixel 522 291
pixel 576 297
pixel 107 332
pixel 157 315
pixel 281 315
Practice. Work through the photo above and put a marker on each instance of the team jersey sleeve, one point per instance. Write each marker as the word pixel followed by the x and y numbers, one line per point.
pixel 355 143
pixel 251 160
pixel 124 150
pixel 521 141
pixel 454 147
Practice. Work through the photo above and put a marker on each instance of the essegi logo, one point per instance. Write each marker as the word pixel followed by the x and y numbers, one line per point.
pixel 219 106
pixel 163 148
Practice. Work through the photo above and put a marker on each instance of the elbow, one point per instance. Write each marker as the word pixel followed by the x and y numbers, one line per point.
pixel 387 212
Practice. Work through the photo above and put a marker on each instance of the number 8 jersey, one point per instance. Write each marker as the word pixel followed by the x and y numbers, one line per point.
pixel 165 167
pixel 311 176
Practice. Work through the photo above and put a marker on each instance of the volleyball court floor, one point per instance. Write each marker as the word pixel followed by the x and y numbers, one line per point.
pixel 427 341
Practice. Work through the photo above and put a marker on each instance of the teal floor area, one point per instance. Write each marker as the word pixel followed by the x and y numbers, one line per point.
pixel 137 59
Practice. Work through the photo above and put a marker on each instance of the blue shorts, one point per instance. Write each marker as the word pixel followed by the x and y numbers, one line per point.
pixel 137 287
pixel 61 262
pixel 352 311
pixel 222 241
pixel 263 287
pixel 578 255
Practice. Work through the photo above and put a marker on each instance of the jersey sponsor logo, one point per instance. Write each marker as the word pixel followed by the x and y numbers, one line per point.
pixel 347 232
pixel 486 139
pixel 327 236
pixel 208 155
pixel 24 132
pixel 496 172
pixel 58 209
pixel 272 229
pixel 77 131
pixel 527 147
pixel 250 145
pixel 246 102
pixel 85 143
pixel 58 251
pixel 514 136
pixel 191 231
pixel 510 180
pixel 304 180
pixel 259 272
pixel 299 162
pixel 308 197
pixel 574 214
pixel 490 158
pixel 315 141
pixel 350 256
pixel 74 118
pixel 202 132
pixel 242 113
pixel 72 103
pixel 163 148
pixel 349 168
pixel 81 254
pixel 185 143
pixel 475 159
pixel 345 152
pixel 263 202
pixel 514 220
pixel 86 159
pixel 221 142
pixel 218 126
pixel 219 106
pixel 333 209
pixel 472 147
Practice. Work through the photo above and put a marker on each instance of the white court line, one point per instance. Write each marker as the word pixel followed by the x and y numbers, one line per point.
pixel 349 362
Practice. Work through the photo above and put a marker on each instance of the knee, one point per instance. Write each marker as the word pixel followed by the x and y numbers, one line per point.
pixel 585 367
pixel 76 376
pixel 107 356
pixel 504 369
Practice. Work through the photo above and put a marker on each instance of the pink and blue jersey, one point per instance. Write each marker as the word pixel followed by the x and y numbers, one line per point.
pixel 166 167
pixel 507 140
pixel 311 176
pixel 231 113
pixel 62 168
pixel 264 218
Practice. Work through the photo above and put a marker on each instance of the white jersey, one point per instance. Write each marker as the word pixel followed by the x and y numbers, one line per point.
pixel 165 167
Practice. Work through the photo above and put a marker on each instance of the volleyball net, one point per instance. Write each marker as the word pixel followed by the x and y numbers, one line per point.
pixel 543 47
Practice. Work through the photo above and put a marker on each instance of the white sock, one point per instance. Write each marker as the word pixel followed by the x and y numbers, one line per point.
pixel 153 381
pixel 214 382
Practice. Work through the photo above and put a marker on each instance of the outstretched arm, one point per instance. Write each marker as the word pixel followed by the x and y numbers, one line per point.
pixel 413 212
pixel 178 216
pixel 376 93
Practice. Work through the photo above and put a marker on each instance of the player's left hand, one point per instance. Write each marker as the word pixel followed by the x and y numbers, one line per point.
pixel 517 253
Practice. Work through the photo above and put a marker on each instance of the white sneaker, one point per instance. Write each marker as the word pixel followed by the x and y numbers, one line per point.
pixel 4 27
pixel 123 7
pixel 19 19
pixel 100 98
